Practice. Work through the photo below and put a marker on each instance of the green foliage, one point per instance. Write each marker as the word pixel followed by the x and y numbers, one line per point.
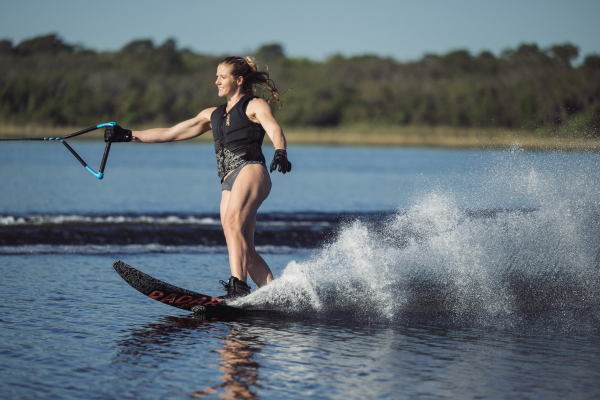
pixel 139 47
pixel 49 44
pixel 44 80
pixel 270 52
pixel 592 61
pixel 6 47
pixel 565 53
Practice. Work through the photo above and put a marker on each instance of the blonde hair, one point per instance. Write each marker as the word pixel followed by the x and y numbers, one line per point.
pixel 253 77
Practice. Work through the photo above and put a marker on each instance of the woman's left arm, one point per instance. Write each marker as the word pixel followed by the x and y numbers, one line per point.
pixel 260 112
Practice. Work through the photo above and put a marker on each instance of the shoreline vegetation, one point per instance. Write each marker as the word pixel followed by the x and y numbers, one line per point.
pixel 527 96
pixel 388 136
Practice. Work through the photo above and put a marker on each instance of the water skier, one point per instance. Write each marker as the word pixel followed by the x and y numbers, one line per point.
pixel 239 127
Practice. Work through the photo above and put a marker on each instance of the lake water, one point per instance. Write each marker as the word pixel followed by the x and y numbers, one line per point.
pixel 401 273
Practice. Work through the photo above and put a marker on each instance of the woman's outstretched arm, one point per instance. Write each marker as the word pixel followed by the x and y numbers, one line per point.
pixel 182 131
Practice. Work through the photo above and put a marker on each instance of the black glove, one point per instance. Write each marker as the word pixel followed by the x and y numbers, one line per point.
pixel 117 134
pixel 280 158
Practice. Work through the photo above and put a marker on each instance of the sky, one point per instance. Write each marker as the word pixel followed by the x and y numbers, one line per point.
pixel 404 30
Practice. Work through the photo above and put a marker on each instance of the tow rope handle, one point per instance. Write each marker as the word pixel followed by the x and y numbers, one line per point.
pixel 100 173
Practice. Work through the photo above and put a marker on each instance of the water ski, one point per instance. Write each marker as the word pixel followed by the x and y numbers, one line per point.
pixel 172 295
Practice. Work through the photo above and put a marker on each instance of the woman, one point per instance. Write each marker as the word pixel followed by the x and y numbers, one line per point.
pixel 238 129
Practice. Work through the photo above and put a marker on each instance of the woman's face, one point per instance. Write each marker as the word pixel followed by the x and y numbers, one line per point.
pixel 228 84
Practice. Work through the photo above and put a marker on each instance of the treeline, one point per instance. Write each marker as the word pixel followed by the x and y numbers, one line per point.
pixel 47 81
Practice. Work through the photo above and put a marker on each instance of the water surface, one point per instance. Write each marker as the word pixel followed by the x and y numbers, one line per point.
pixel 401 273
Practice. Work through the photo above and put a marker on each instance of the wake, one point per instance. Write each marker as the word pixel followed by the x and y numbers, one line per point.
pixel 442 256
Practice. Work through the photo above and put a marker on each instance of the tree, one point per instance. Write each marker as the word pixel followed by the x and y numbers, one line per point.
pixel 270 52
pixel 50 44
pixel 6 47
pixel 526 50
pixel 167 57
pixel 592 61
pixel 140 46
pixel 459 60
pixel 564 54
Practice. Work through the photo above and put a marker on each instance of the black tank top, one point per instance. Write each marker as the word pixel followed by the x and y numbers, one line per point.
pixel 237 138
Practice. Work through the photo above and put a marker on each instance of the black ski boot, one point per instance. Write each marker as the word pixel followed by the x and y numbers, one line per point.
pixel 235 288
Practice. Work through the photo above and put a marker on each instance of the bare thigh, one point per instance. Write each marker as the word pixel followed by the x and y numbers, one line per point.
pixel 239 207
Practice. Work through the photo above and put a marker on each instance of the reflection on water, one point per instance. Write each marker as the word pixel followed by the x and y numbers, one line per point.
pixel 240 371
pixel 236 362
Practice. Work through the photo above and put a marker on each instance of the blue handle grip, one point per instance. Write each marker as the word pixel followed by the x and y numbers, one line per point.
pixel 106 124
pixel 98 175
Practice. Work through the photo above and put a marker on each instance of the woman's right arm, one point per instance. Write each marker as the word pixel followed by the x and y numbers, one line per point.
pixel 182 131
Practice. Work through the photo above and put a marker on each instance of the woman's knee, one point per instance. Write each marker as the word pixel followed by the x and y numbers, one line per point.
pixel 232 226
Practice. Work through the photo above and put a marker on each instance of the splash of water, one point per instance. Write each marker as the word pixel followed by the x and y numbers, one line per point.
pixel 442 256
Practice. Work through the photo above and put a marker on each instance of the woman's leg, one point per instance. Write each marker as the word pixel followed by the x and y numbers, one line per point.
pixel 258 269
pixel 238 217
